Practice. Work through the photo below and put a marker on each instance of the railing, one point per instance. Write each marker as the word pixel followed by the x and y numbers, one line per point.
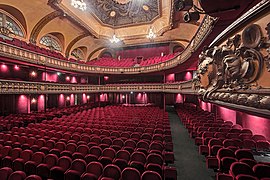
pixel 14 52
pixel 24 87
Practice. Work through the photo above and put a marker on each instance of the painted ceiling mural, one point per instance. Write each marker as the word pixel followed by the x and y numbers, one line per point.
pixel 119 13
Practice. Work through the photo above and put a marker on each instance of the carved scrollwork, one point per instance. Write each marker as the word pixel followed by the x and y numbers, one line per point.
pixel 231 71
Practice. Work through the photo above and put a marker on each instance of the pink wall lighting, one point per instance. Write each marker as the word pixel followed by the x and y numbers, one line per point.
pixel 179 98
pixel 257 125
pixel 67 78
pixel 72 99
pixel 4 68
pixel 106 78
pixel 84 98
pixel 41 103
pixel 73 80
pixel 188 76
pixel 23 105
pixel 205 106
pixel 16 67
pixel 103 97
pixel 61 100
pixel 49 77
pixel 227 114
pixel 170 78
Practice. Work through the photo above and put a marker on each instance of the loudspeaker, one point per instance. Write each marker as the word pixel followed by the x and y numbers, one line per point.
pixel 191 16
pixel 184 5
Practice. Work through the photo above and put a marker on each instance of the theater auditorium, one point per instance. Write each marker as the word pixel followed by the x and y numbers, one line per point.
pixel 134 90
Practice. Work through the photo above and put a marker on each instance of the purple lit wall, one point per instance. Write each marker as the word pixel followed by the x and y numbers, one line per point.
pixel 72 100
pixel 257 125
pixel 84 98
pixel 188 76
pixel 170 78
pixel 227 114
pixel 4 68
pixel 50 77
pixel 205 106
pixel 83 80
pixel 23 104
pixel 41 103
pixel 73 79
pixel 61 100
pixel 179 98
pixel 103 97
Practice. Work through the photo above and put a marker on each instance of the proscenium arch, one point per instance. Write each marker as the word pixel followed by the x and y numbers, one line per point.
pixel 71 44
pixel 38 27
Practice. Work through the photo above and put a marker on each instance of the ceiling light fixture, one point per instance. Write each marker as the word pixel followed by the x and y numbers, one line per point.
pixel 151 34
pixel 114 39
pixel 78 4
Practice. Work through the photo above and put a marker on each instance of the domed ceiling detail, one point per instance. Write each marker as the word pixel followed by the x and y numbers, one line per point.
pixel 118 13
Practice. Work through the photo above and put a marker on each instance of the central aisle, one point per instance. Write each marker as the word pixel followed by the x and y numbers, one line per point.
pixel 189 163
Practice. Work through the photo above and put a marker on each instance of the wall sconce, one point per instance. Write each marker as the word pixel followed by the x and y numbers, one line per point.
pixel 33 101
pixel 68 98
pixel 33 74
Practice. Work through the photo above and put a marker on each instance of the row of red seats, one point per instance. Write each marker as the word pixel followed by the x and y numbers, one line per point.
pixel 82 142
pixel 226 146
pixel 21 120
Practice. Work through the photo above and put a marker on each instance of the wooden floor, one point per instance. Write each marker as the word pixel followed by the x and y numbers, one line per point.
pixel 189 163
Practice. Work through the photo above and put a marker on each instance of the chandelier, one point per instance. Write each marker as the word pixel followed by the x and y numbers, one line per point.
pixel 78 4
pixel 151 34
pixel 114 39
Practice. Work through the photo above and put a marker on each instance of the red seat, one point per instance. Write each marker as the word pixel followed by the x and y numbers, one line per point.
pixel 5 172
pixel 17 175
pixel 147 175
pixel 112 171
pixel 130 174
pixel 78 166
pixel 93 171
pixel 43 169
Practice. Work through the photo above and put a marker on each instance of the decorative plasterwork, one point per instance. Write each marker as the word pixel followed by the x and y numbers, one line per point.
pixel 38 27
pixel 23 87
pixel 70 45
pixel 124 13
pixel 233 72
pixel 14 52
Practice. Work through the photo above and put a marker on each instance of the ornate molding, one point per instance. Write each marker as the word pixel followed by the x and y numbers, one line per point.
pixel 24 87
pixel 14 52
pixel 71 44
pixel 232 72
pixel 38 27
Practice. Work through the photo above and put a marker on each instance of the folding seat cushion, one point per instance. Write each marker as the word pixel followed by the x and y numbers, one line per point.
pixel 156 147
pixel 5 151
pixel 112 171
pixel 245 177
pixel 43 169
pixel 36 159
pixel 154 167
pixel 262 145
pixel 85 138
pixel 33 177
pixel 78 166
pixel 50 144
pixel 139 157
pixel 170 173
pixel 135 136
pixel 244 153
pixel 83 149
pixel 105 160
pixel 238 168
pixel 244 136
pixel 106 140
pixel 262 171
pixel 18 163
pixel 5 172
pixel 63 163
pixel 93 171
pixel 225 158
pixel 257 137
pixel 150 175
pixel 95 150
pixel 155 158
pixel 17 175
pixel 109 152
pixel 13 154
pixel 158 138
pixel 96 140
pixel 130 174
pixel 249 144
pixel 146 137
pixel 123 154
